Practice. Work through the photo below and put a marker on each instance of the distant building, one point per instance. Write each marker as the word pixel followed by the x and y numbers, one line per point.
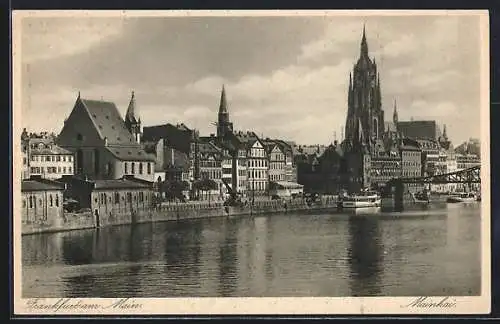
pixel 111 199
pixel 419 129
pixel 42 201
pixel 178 141
pixel 103 146
pixel 257 163
pixel 276 160
pixel 41 156
pixel 211 157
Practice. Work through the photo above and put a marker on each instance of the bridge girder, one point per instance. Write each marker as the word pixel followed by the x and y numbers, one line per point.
pixel 470 175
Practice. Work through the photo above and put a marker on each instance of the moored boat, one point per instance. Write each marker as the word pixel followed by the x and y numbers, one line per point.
pixel 364 200
pixel 466 197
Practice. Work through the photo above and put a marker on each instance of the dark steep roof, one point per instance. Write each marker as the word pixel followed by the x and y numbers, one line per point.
pixel 178 138
pixel 108 122
pixel 419 129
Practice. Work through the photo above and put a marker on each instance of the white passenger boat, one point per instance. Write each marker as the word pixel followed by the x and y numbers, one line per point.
pixel 365 200
pixel 465 197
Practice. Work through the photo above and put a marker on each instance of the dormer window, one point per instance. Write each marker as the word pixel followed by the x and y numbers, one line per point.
pixel 79 137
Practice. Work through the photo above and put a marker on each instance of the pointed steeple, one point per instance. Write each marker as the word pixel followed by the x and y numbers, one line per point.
pixel 395 114
pixel 78 94
pixel 364 44
pixel 223 101
pixel 131 111
pixel 132 120
pixel 444 131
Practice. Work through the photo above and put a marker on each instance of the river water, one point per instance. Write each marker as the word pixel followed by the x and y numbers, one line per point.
pixel 433 252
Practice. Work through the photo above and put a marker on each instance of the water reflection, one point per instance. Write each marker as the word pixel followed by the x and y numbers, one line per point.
pixel 278 255
pixel 365 256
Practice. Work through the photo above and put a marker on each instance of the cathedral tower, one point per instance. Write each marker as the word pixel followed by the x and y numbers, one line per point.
pixel 365 117
pixel 132 120
pixel 224 126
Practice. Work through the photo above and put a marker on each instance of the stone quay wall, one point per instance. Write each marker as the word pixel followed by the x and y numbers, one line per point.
pixel 178 212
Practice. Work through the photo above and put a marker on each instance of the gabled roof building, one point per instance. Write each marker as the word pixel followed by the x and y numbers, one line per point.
pixel 103 146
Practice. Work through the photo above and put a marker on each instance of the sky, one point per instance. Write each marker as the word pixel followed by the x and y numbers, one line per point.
pixel 285 77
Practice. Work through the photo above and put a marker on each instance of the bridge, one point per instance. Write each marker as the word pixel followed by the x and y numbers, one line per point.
pixel 470 175
pixel 395 188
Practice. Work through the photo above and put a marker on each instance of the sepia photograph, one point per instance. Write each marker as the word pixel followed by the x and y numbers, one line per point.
pixel 260 162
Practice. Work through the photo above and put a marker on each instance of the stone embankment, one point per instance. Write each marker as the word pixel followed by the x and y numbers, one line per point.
pixel 178 212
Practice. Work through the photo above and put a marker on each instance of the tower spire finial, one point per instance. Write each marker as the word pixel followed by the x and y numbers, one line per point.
pixel 78 94
pixel 223 101
pixel 364 44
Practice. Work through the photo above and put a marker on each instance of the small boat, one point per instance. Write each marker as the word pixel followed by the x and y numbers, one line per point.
pixel 420 198
pixel 466 197
pixel 364 200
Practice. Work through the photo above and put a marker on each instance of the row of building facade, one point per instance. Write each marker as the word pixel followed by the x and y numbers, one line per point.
pixel 98 145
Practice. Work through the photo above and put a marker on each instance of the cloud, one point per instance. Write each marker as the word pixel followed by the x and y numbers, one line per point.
pixel 284 77
pixel 52 38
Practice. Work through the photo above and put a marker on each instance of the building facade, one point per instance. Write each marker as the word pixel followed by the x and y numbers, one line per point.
pixel 102 145
pixel 276 161
pixel 46 159
pixel 112 199
pixel 42 202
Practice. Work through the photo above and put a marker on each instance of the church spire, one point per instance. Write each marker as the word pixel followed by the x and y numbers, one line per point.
pixel 132 120
pixel 395 114
pixel 224 126
pixel 364 44
pixel 445 136
pixel 131 111
pixel 223 102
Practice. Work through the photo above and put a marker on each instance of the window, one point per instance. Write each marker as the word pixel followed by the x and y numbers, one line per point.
pixel 140 168
pixel 129 196
pixel 69 169
pixel 133 168
pixel 31 201
pixel 64 170
pixel 126 167
pixel 149 168
pixel 58 169
pixel 141 196
pixel 64 158
pixel 79 137
pixel 117 198
pixel 24 203
pixel 50 199
pixel 58 159
pixel 24 161
pixel 57 200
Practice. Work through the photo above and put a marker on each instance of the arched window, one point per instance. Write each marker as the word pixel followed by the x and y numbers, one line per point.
pixel 133 168
pixel 149 168
pixel 31 201
pixel 57 200
pixel 50 199
pixel 140 168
